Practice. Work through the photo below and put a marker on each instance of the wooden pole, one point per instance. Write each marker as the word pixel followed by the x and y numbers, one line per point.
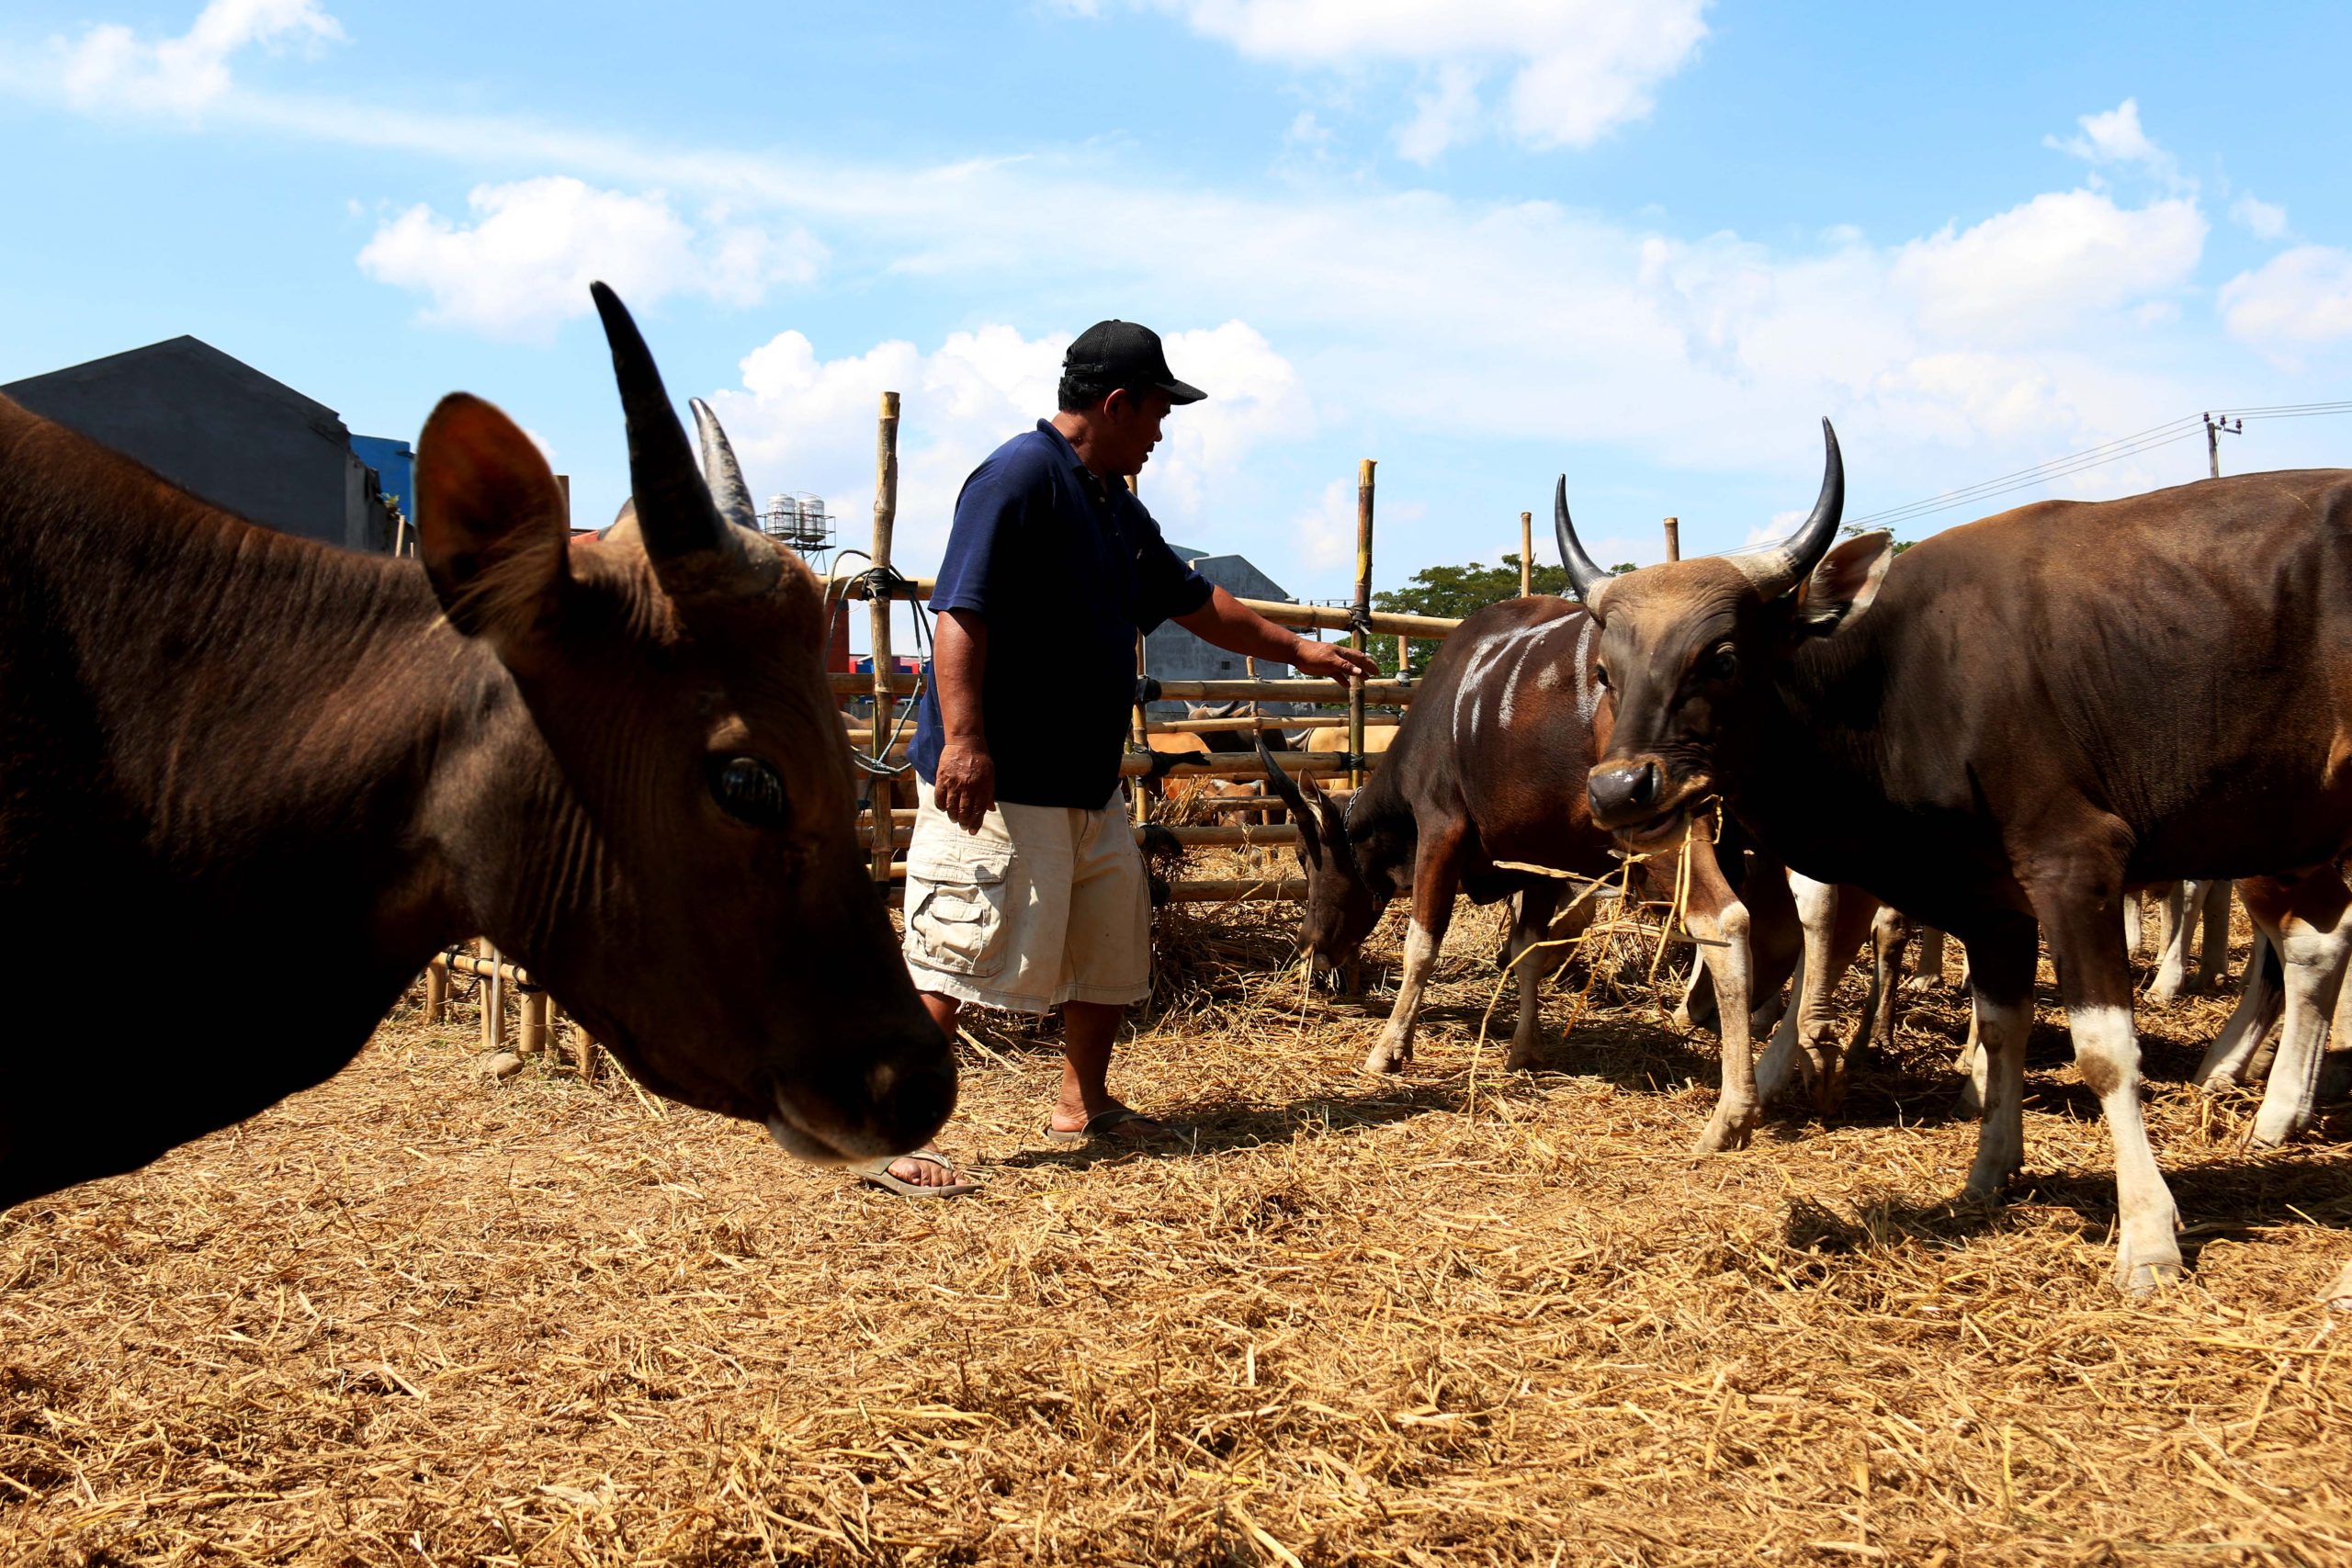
pixel 1356 635
pixel 494 998
pixel 1674 538
pixel 886 516
pixel 1526 553
pixel 437 990
pixel 533 1041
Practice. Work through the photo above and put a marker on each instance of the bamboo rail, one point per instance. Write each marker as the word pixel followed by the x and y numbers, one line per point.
pixel 1307 689
pixel 886 516
pixel 1282 612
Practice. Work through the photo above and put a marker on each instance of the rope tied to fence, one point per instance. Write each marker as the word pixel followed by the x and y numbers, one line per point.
pixel 883 583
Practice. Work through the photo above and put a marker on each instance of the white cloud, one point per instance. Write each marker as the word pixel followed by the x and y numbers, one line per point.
pixel 2066 251
pixel 2267 220
pixel 1576 69
pixel 805 425
pixel 524 263
pixel 110 67
pixel 2299 298
pixel 2113 137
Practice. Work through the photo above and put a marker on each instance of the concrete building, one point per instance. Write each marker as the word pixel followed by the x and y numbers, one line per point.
pixel 1174 654
pixel 217 426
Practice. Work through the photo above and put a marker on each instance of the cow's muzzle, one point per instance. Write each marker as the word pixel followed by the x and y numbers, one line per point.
pixel 899 1103
pixel 1635 801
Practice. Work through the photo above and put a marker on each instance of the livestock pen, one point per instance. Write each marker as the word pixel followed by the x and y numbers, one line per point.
pixel 426 1315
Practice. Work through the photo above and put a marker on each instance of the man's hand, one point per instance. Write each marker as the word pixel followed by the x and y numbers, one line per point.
pixel 964 785
pixel 1341 663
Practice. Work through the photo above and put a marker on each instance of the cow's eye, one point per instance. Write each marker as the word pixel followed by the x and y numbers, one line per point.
pixel 1600 676
pixel 1725 664
pixel 750 791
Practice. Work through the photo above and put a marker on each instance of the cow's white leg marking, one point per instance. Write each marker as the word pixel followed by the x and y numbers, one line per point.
pixel 2133 929
pixel 1817 905
pixel 2000 1050
pixel 1929 976
pixel 1780 1056
pixel 1395 1046
pixel 2107 1053
pixel 1531 962
pixel 2227 1059
pixel 2314 959
pixel 2339 1294
pixel 2175 918
pixel 1730 963
pixel 1970 1065
pixel 2214 952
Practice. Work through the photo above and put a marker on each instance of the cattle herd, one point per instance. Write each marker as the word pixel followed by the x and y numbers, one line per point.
pixel 618 759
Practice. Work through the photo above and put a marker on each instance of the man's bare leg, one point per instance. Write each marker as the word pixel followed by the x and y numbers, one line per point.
pixel 923 1172
pixel 1088 1029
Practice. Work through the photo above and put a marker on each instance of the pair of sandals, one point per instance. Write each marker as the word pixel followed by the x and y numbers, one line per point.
pixel 1098 1129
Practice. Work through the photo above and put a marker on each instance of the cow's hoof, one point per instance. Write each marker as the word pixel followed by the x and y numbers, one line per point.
pixel 2140 1279
pixel 1723 1134
pixel 1519 1060
pixel 1385 1058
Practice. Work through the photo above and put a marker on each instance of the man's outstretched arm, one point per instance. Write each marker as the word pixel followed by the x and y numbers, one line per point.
pixel 1237 628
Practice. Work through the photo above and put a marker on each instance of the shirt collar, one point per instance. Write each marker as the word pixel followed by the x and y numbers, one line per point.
pixel 1102 490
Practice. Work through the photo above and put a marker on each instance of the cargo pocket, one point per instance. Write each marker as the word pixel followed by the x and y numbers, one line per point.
pixel 958 924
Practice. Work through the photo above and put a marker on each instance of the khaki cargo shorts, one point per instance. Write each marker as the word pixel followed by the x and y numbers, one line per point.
pixel 1044 904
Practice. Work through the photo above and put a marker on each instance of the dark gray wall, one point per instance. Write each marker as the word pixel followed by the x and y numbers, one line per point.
pixel 215 426
pixel 1174 654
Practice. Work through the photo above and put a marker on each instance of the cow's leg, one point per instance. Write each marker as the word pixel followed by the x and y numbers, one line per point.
pixel 1889 933
pixel 2174 917
pixel 1533 961
pixel 1928 976
pixel 1719 921
pixel 1815 905
pixel 2305 920
pixel 1436 873
pixel 2214 952
pixel 2079 920
pixel 2135 930
pixel 1835 920
pixel 2228 1059
pixel 1775 942
pixel 2000 989
pixel 1698 1007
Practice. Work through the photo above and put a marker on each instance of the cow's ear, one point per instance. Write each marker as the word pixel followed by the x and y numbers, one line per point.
pixel 1843 585
pixel 490 524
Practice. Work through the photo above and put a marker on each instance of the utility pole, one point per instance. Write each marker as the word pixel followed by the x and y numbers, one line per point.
pixel 2214 430
pixel 1674 538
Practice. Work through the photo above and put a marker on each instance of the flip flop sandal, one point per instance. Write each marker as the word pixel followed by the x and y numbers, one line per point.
pixel 879 1175
pixel 1098 1129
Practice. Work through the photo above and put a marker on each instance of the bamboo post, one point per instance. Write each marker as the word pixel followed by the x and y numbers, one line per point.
pixel 1140 797
pixel 886 516
pixel 1143 729
pixel 437 990
pixel 1526 553
pixel 1356 635
pixel 533 1042
pixel 1674 538
pixel 494 998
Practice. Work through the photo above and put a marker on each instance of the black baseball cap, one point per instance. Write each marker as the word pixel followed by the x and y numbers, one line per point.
pixel 1116 354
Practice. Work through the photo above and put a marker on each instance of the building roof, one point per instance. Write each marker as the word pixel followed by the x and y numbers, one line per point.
pixel 196 355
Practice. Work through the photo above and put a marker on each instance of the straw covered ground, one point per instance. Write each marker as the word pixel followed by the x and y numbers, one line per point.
pixel 419 1317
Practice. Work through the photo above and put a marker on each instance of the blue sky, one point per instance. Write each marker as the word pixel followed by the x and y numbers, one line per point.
pixel 1646 242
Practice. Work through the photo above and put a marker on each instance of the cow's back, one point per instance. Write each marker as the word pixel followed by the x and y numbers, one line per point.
pixel 1500 729
pixel 2179 663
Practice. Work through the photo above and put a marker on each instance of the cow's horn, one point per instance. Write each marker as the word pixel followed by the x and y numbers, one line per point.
pixel 1777 568
pixel 692 551
pixel 1292 795
pixel 1583 575
pixel 720 472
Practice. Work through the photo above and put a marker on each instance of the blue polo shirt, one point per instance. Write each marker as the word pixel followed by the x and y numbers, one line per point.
pixel 1064 569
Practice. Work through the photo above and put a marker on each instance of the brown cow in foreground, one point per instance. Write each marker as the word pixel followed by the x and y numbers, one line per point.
pixel 2022 719
pixel 226 750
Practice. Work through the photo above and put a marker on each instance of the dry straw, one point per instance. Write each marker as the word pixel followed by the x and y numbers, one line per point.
pixel 416 1317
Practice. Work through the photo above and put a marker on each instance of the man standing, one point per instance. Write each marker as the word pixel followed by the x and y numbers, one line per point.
pixel 1025 888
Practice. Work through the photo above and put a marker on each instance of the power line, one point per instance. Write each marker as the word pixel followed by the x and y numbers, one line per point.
pixel 2188 427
